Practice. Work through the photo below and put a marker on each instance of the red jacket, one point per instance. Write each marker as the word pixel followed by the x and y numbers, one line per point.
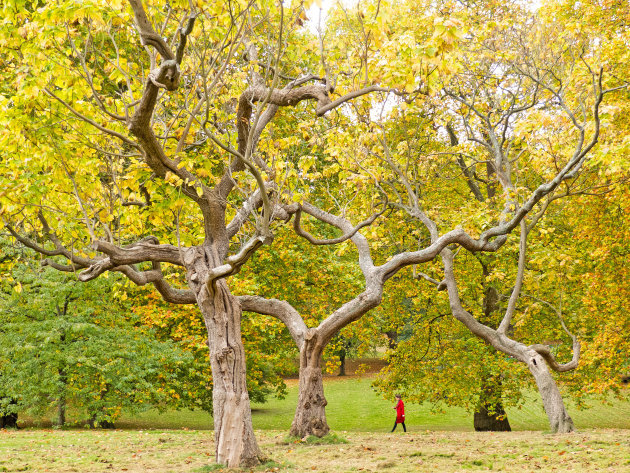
pixel 400 412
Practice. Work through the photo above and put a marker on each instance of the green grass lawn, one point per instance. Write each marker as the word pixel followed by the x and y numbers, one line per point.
pixel 179 442
pixel 354 406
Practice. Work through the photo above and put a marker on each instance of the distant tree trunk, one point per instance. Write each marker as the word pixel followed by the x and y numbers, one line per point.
pixel 235 442
pixel 342 361
pixel 61 400
pixel 490 415
pixel 103 424
pixel 61 412
pixel 310 413
pixel 9 421
pixel 392 339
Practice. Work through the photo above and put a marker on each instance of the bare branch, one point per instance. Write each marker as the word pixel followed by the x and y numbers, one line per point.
pixel 333 241
pixel 233 263
pixel 281 310
pixel 509 313
pixel 90 121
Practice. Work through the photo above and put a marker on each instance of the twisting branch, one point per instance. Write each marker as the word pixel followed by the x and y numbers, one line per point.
pixel 60 249
pixel 281 310
pixel 254 201
pixel 89 120
pixel 545 352
pixel 509 313
pixel 147 249
pixel 440 285
pixel 333 241
pixel 148 35
pixel 233 263
pixel 165 76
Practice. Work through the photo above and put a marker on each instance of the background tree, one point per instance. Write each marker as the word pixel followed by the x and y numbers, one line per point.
pixel 66 347
pixel 525 78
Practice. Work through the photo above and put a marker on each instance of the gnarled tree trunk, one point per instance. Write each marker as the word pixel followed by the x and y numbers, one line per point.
pixel 310 413
pixel 559 419
pixel 234 434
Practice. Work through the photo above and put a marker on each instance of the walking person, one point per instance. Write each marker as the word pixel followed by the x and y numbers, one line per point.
pixel 400 413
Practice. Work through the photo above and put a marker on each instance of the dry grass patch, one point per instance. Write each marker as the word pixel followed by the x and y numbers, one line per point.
pixel 192 451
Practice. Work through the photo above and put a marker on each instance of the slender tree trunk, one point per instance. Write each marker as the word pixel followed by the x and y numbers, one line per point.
pixel 61 400
pixel 236 444
pixel 559 419
pixel 310 413
pixel 342 361
pixel 490 415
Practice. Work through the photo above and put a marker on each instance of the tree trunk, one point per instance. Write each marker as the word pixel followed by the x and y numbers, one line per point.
pixel 310 413
pixel 235 442
pixel 392 339
pixel 61 412
pixel 342 361
pixel 490 415
pixel 559 419
pixel 9 421
pixel 61 401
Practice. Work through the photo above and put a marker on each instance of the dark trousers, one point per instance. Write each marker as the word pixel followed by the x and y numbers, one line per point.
pixel 403 424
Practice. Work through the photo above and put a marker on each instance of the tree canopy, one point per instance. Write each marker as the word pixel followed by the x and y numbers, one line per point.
pixel 172 142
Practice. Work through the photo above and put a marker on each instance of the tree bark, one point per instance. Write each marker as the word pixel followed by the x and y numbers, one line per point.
pixel 235 442
pixel 559 419
pixel 310 413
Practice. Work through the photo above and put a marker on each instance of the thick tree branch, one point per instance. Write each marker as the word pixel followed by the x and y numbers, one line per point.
pixel 545 352
pixel 233 263
pixel 361 243
pixel 281 310
pixel 148 35
pixel 147 249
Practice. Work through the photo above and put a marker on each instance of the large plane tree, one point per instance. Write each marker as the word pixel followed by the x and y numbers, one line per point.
pixel 133 146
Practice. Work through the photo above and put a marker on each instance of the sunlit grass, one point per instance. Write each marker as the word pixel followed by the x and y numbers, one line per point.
pixel 354 406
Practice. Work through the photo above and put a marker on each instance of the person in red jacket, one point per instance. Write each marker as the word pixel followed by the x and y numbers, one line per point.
pixel 400 413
